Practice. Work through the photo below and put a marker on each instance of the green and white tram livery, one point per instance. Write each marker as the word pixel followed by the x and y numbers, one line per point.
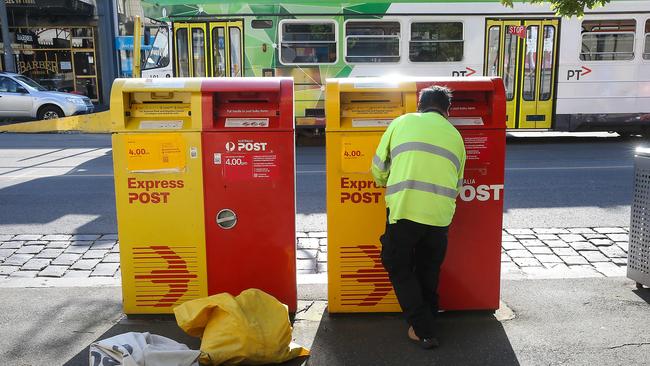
pixel 566 74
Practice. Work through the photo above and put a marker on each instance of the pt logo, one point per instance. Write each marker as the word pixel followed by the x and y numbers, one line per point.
pixel 230 146
pixel 576 74
pixel 467 72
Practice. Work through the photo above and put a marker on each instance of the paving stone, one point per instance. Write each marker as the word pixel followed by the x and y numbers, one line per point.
pixel 90 237
pixel 105 269
pixel 525 236
pixel 77 274
pixel 594 256
pixel 582 245
pixel 549 258
pixel 505 258
pixel 4 253
pixel 49 253
pixel 619 237
pixel 624 245
pixel 306 271
pixel 301 234
pixel 321 257
pixel 18 259
pixel 581 230
pixel 613 252
pixel 519 231
pixel 609 230
pixel 519 253
pixel 610 269
pixel 321 267
pixel 317 234
pixel 111 258
pixel 507 237
pixel 36 264
pixel 85 264
pixel 12 244
pixel 57 237
pixel 32 249
pixel 103 244
pixel 569 238
pixel 594 236
pixel 76 249
pixel 116 248
pixel 109 237
pixel 526 262
pixel 36 242
pixel 556 243
pixel 601 242
pixel 547 237
pixel 306 264
pixel 6 237
pixel 322 241
pixel 58 244
pixel 510 245
pixel 533 243
pixel 306 253
pixel 24 274
pixel 620 261
pixel 308 243
pixel 323 248
pixel 81 243
pixel 551 230
pixel 95 254
pixel 583 270
pixel 7 270
pixel 565 251
pixel 540 250
pixel 556 266
pixel 66 259
pixel 53 271
pixel 574 259
pixel 27 237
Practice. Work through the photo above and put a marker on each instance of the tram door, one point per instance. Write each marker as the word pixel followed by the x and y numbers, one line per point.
pixel 524 54
pixel 209 49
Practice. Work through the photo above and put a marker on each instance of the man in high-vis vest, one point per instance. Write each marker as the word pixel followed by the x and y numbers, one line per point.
pixel 420 160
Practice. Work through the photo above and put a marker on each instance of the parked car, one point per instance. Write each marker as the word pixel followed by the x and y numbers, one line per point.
pixel 22 97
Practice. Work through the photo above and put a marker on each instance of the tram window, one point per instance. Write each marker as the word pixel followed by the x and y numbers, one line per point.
pixel 646 49
pixel 530 63
pixel 436 42
pixel 182 53
pixel 158 55
pixel 262 24
pixel 372 41
pixel 607 40
pixel 198 51
pixel 494 35
pixel 312 42
pixel 510 45
pixel 235 51
pixel 546 67
pixel 218 52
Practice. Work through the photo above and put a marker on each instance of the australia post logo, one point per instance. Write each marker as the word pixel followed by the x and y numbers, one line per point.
pixel 246 145
pixel 470 191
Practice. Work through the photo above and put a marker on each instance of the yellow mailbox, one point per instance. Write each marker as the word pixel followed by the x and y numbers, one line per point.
pixel 357 112
pixel 159 192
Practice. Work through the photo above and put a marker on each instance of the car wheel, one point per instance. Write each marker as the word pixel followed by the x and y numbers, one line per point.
pixel 50 112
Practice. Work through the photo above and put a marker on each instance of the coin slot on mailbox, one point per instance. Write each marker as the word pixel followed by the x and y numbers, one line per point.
pixel 159 110
pixel 246 109
pixel 470 108
pixel 370 109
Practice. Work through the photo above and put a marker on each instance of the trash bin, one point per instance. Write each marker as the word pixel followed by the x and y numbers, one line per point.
pixel 249 179
pixel 157 165
pixel 357 113
pixel 638 255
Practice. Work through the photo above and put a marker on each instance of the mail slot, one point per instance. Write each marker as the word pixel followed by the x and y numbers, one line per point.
pixel 158 192
pixel 249 186
pixel 356 207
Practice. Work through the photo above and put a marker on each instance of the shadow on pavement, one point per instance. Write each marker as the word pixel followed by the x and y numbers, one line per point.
pixel 643 293
pixel 466 338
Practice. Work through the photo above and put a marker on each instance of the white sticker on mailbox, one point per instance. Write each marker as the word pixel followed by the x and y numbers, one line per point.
pixel 217 158
pixel 371 122
pixel 161 125
pixel 466 121
pixel 247 122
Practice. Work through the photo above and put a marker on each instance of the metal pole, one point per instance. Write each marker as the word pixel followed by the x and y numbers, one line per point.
pixel 137 57
pixel 10 62
pixel 106 48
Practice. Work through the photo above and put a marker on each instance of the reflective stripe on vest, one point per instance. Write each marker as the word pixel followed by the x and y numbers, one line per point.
pixel 424 147
pixel 381 165
pixel 421 186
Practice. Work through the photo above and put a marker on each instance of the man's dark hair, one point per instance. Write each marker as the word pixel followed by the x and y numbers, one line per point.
pixel 435 99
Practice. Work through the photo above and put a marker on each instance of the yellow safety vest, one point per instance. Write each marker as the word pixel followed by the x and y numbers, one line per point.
pixel 420 160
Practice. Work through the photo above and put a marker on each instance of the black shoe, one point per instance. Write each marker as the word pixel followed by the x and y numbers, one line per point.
pixel 426 343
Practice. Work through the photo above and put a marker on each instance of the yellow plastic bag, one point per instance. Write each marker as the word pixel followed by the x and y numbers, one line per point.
pixel 252 328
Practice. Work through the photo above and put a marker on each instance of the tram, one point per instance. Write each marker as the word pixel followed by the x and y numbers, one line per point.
pixel 563 74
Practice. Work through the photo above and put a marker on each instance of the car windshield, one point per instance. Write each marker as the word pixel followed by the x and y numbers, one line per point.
pixel 31 83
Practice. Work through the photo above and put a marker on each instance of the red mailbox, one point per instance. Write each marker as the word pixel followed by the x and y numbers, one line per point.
pixel 249 186
pixel 470 275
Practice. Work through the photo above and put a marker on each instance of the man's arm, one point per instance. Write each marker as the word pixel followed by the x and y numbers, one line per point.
pixel 461 171
pixel 381 161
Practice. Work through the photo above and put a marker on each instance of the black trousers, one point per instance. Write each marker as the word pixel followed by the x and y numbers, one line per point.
pixel 412 254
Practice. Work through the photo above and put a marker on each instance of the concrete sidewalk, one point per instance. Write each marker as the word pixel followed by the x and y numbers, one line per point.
pixel 589 321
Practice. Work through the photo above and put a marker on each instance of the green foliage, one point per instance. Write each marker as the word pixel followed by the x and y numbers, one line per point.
pixel 566 8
